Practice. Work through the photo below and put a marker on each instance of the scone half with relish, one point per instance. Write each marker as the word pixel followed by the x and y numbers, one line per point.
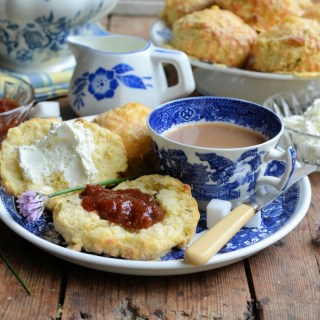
pixel 93 232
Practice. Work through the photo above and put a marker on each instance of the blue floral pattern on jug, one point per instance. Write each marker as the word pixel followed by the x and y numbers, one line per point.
pixel 274 216
pixel 103 83
pixel 44 32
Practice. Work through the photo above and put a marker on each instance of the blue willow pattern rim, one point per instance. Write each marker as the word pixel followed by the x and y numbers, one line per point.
pixel 274 217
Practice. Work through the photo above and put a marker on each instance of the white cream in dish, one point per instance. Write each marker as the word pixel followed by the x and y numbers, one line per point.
pixel 308 147
pixel 67 148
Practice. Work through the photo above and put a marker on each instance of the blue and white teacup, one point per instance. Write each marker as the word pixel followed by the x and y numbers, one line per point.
pixel 227 173
pixel 115 69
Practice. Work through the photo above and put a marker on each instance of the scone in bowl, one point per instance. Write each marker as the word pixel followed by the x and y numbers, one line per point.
pixel 220 80
pixel 290 105
pixel 20 96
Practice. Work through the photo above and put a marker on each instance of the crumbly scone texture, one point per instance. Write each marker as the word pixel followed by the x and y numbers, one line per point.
pixel 312 12
pixel 214 35
pixel 86 230
pixel 175 9
pixel 109 157
pixel 266 13
pixel 130 123
pixel 292 46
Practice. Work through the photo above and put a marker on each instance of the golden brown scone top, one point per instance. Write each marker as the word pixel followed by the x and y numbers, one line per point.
pixel 263 14
pixel 130 123
pixel 312 12
pixel 175 9
pixel 292 46
pixel 214 35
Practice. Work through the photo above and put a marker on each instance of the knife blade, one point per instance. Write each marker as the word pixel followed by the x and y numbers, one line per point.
pixel 200 252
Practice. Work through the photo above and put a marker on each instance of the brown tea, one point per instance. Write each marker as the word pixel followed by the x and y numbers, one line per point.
pixel 215 135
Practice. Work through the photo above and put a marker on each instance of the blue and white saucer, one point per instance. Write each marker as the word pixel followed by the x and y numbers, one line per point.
pixel 278 219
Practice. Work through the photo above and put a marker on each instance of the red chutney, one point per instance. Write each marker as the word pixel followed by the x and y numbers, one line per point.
pixel 131 208
pixel 8 121
pixel 8 104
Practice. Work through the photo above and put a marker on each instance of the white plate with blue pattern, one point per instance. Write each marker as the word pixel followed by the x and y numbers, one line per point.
pixel 278 219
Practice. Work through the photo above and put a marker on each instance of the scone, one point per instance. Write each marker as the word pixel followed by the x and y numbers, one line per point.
pixel 292 46
pixel 85 230
pixel 214 35
pixel 130 123
pixel 266 13
pixel 48 155
pixel 175 9
pixel 312 12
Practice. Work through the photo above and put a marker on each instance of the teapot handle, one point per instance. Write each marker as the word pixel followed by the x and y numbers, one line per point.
pixel 180 61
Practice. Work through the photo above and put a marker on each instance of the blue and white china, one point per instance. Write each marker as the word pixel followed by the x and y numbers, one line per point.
pixel 33 32
pixel 221 173
pixel 278 219
pixel 113 70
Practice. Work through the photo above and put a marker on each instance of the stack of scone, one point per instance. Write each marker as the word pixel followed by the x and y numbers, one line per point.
pixel 48 155
pixel 242 33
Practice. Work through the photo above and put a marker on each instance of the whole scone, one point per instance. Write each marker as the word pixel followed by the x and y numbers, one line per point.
pixel 108 157
pixel 86 230
pixel 175 9
pixel 292 46
pixel 214 35
pixel 264 14
pixel 130 123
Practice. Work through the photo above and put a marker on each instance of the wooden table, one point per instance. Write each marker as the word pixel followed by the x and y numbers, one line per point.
pixel 280 282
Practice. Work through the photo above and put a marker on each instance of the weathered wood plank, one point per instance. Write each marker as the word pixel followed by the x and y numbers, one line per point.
pixel 217 294
pixel 41 272
pixel 286 275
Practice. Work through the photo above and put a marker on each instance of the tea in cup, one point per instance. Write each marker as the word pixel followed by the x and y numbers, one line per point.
pixel 224 148
pixel 113 70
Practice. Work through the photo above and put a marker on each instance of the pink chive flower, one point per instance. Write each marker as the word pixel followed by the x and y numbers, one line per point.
pixel 31 204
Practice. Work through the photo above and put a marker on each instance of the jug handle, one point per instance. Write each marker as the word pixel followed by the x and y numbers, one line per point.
pixel 180 61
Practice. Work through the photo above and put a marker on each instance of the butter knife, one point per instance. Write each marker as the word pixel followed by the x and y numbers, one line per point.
pixel 200 252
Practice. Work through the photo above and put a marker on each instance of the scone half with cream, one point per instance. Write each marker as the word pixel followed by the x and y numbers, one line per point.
pixel 92 232
pixel 47 155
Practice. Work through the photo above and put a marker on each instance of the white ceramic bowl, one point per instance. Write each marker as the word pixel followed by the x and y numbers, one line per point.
pixel 33 32
pixel 217 80
pixel 290 103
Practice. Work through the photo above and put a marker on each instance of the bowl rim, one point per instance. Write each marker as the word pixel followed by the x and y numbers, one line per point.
pixel 28 103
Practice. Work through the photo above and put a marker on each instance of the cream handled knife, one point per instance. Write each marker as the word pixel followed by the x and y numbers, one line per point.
pixel 215 238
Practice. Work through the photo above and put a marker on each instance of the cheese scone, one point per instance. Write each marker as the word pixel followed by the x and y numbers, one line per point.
pixel 292 46
pixel 47 155
pixel 214 35
pixel 265 14
pixel 175 9
pixel 86 230
pixel 130 123
pixel 312 12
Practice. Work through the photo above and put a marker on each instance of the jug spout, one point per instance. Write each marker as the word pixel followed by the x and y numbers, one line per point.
pixel 79 45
